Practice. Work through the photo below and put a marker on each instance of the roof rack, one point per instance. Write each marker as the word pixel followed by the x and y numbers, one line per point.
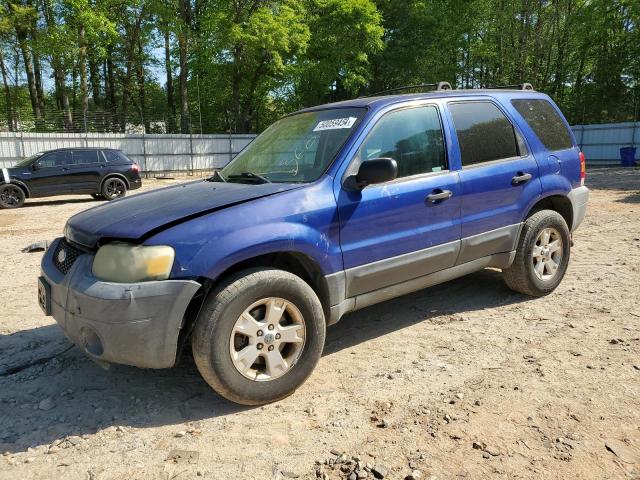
pixel 436 86
pixel 517 86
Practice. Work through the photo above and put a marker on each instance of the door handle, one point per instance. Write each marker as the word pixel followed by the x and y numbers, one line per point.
pixel 439 195
pixel 521 178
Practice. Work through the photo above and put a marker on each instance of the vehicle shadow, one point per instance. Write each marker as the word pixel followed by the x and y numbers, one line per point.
pixel 613 178
pixel 66 201
pixel 50 390
pixel 632 198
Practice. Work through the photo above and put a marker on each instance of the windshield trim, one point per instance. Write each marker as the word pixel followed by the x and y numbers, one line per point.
pixel 354 131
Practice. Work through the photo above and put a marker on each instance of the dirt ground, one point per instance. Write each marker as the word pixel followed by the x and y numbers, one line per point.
pixel 464 380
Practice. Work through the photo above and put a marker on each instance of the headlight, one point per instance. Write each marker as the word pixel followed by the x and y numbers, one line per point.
pixel 126 263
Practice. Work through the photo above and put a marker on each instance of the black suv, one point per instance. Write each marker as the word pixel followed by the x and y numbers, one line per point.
pixel 100 172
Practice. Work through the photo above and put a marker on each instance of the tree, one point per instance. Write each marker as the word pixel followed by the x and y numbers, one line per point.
pixel 345 34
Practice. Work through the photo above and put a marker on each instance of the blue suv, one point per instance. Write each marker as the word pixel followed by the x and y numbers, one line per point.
pixel 331 209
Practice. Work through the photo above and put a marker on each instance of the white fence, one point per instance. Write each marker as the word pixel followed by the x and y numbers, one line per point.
pixel 163 153
pixel 601 144
pixel 154 153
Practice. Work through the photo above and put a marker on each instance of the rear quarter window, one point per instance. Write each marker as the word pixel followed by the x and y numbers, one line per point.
pixel 115 156
pixel 546 123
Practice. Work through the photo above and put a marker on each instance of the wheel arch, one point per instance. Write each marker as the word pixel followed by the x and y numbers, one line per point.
pixel 558 203
pixel 112 175
pixel 293 262
pixel 22 185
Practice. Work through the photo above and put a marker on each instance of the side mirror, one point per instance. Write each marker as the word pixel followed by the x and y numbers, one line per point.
pixel 376 170
pixel 35 166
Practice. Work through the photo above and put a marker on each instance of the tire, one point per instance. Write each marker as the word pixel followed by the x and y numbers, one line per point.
pixel 11 196
pixel 537 271
pixel 212 336
pixel 114 187
pixel 97 196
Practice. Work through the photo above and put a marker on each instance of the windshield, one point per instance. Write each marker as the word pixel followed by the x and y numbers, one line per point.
pixel 298 148
pixel 28 161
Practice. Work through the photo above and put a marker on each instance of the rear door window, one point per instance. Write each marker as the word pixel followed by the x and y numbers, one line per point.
pixel 546 123
pixel 484 133
pixel 85 156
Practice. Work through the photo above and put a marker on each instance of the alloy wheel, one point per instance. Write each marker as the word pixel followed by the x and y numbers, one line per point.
pixel 546 256
pixel 115 188
pixel 267 339
pixel 11 196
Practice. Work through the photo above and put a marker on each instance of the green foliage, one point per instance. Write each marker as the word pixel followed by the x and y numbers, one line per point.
pixel 248 62
pixel 345 33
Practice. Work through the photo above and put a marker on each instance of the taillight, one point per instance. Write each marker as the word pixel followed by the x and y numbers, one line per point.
pixel 135 168
pixel 583 168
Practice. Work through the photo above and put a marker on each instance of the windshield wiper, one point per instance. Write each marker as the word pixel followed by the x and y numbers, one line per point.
pixel 249 176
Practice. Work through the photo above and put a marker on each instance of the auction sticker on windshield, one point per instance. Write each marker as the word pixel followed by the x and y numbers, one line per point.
pixel 335 124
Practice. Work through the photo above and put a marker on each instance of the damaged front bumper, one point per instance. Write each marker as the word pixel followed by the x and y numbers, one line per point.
pixel 130 323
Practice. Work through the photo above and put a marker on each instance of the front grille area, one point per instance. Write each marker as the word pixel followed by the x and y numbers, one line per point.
pixel 71 253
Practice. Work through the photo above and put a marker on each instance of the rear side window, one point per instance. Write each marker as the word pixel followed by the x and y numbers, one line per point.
pixel 85 156
pixel 412 137
pixel 484 132
pixel 545 122
pixel 115 156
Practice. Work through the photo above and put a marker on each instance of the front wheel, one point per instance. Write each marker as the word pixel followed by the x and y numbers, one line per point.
pixel 113 188
pixel 11 196
pixel 259 336
pixel 542 255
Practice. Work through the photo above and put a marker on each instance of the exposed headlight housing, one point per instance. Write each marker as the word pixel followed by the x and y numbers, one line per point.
pixel 126 263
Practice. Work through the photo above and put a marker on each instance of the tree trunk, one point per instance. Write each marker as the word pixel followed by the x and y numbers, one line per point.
pixel 84 89
pixel 94 79
pixel 74 89
pixel 62 99
pixel 37 71
pixel 38 78
pixel 28 66
pixel 110 81
pixel 142 100
pixel 183 46
pixel 11 126
pixel 185 121
pixel 236 78
pixel 171 102
pixel 126 81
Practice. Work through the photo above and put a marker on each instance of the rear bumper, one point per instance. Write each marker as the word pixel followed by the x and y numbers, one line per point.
pixel 579 198
pixel 134 324
pixel 135 183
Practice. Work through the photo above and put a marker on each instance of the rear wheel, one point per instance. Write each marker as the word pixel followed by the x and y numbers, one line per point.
pixel 542 255
pixel 11 196
pixel 113 188
pixel 259 336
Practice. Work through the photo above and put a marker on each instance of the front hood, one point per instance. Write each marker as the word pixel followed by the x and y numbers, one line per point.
pixel 140 216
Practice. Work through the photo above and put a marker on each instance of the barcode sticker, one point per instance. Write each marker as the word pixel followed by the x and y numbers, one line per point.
pixel 335 124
